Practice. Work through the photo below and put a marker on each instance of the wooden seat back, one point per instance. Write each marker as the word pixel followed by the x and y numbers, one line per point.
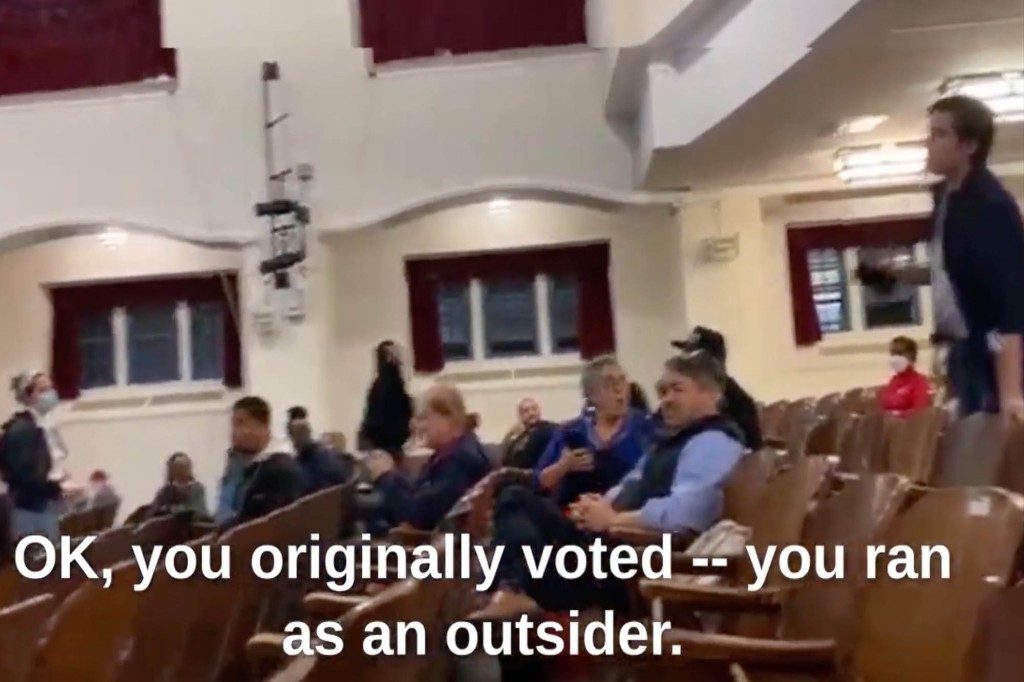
pixel 772 419
pixel 972 452
pixel 90 630
pixel 21 626
pixel 1011 471
pixel 921 629
pixel 913 445
pixel 996 654
pixel 863 449
pixel 852 517
pixel 746 486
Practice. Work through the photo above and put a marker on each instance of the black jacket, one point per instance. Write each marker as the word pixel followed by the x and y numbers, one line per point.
pixel 25 464
pixel 268 485
pixel 739 407
pixel 388 412
pixel 524 451
pixel 322 467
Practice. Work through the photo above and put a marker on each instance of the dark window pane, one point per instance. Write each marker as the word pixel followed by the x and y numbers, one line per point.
pixel 510 317
pixel 563 295
pixel 898 308
pixel 453 311
pixel 152 345
pixel 96 351
pixel 828 286
pixel 207 337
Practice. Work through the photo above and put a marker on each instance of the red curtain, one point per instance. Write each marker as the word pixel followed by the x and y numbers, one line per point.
pixel 53 45
pixel 588 264
pixel 71 302
pixel 801 240
pixel 408 29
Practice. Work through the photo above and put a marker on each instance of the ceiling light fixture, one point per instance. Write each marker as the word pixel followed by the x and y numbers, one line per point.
pixel 1003 92
pixel 500 206
pixel 881 164
pixel 113 238
pixel 859 125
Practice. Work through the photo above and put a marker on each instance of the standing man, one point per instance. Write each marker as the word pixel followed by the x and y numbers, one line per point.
pixel 977 263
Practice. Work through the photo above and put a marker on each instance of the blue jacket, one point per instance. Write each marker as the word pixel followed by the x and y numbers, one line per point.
pixel 613 460
pixel 321 467
pixel 25 464
pixel 234 472
pixel 448 475
pixel 983 250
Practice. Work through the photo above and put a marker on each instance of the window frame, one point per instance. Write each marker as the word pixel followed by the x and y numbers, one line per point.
pixel 859 333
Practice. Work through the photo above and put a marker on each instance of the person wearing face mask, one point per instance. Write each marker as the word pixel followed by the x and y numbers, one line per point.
pixel 29 454
pixel 908 390
pixel 181 492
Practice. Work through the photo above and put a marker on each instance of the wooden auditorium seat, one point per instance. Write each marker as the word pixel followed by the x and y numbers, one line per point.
pixel 21 626
pixel 996 654
pixel 913 444
pixel 862 450
pixel 972 452
pixel 904 630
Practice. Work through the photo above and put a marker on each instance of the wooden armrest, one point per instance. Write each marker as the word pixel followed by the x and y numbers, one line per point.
pixel 713 597
pixel 265 648
pixel 751 652
pixel 683 563
pixel 640 537
pixel 326 605
pixel 406 535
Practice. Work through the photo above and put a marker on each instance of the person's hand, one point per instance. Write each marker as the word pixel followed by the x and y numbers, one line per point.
pixel 576 460
pixel 597 515
pixel 877 277
pixel 378 464
pixel 1013 411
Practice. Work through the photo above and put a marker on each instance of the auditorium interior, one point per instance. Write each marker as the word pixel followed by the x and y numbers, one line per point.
pixel 203 203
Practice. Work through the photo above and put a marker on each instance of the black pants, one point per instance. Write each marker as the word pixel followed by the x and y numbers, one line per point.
pixel 524 518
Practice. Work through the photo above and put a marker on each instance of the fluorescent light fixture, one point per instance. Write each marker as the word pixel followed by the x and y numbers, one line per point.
pixel 113 238
pixel 1002 92
pixel 881 164
pixel 499 206
pixel 859 125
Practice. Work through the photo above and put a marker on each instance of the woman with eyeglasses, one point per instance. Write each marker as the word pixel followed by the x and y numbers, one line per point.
pixel 593 452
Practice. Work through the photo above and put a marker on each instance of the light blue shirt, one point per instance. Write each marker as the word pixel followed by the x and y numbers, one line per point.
pixel 696 499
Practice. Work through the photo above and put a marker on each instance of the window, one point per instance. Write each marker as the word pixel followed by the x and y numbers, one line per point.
pixel 144 333
pixel 506 304
pixel 843 304
pixel 515 316
pixel 408 29
pixel 52 47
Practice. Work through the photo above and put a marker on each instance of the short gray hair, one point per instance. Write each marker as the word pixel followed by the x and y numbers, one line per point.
pixel 701 367
pixel 592 372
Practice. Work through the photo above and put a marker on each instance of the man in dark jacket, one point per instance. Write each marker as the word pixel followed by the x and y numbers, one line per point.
pixel 322 467
pixel 457 464
pixel 976 271
pixel 270 478
pixel 526 442
pixel 737 404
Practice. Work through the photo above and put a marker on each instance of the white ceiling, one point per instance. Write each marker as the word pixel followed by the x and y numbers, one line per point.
pixel 885 57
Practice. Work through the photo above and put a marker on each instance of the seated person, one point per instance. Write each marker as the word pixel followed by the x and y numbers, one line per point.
pixel 526 442
pixel 321 467
pixel 270 478
pixel 908 390
pixel 676 487
pixel 458 462
pixel 592 453
pixel 181 492
pixel 737 404
pixel 228 485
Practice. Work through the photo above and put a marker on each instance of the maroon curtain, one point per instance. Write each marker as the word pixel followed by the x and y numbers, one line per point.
pixel 801 240
pixel 408 29
pixel 54 45
pixel 70 303
pixel 589 265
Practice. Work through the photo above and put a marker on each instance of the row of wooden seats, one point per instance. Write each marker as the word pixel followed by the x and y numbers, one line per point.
pixel 90 521
pixel 191 630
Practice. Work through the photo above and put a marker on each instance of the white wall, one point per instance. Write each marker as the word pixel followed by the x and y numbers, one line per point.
pixel 131 445
pixel 370 298
pixel 748 299
pixel 192 162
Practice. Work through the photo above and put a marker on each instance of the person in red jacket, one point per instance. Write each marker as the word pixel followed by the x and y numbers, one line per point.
pixel 908 390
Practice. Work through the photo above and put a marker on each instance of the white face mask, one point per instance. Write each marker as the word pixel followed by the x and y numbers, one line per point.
pixel 898 363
